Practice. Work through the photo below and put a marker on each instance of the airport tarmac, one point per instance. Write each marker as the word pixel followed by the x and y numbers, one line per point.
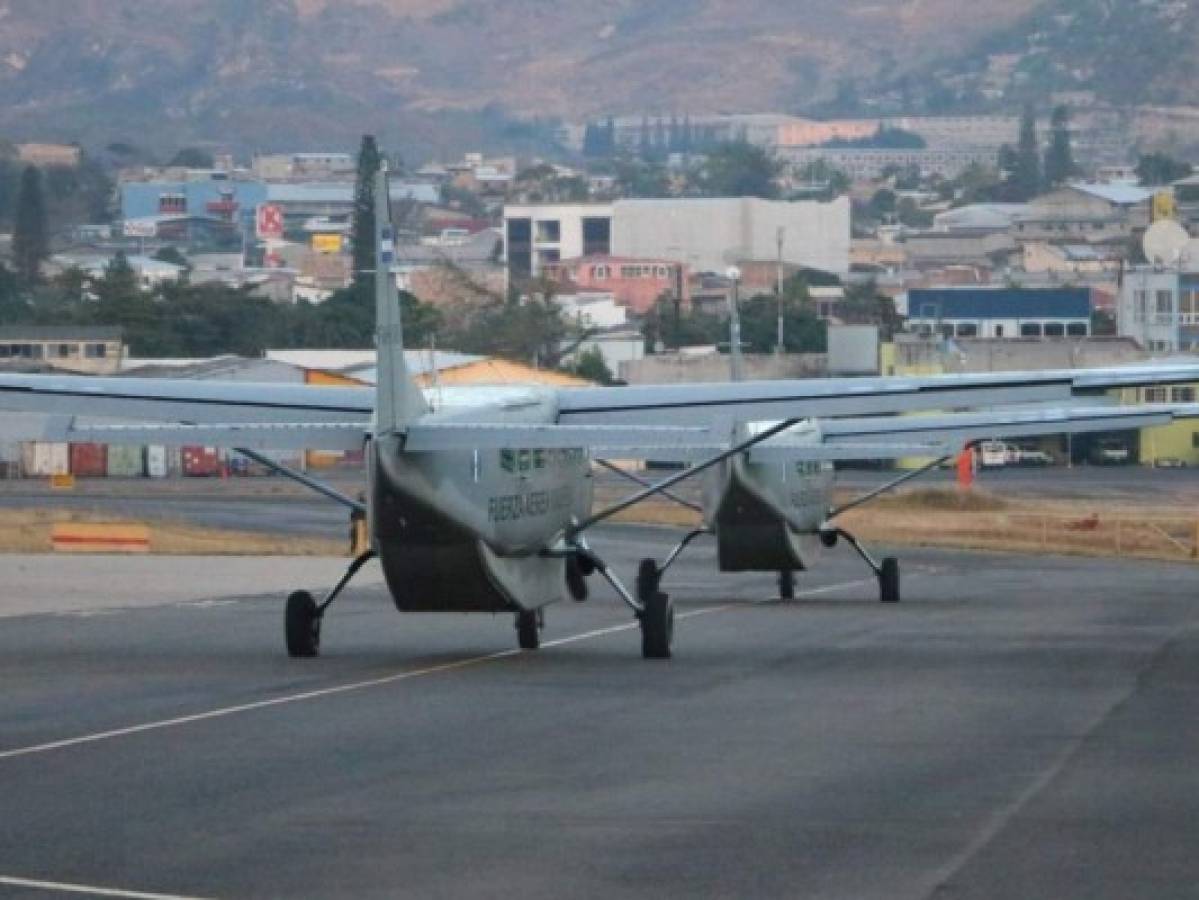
pixel 1017 727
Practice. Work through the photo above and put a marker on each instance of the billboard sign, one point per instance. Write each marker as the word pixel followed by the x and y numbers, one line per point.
pixel 326 243
pixel 140 228
pixel 268 222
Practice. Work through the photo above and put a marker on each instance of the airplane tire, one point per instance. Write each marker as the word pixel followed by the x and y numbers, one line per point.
pixel 657 617
pixel 302 625
pixel 576 581
pixel 888 580
pixel 787 585
pixel 528 635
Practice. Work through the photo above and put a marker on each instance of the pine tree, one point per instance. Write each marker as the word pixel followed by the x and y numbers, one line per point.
pixel 644 147
pixel 30 243
pixel 1059 158
pixel 362 237
pixel 591 141
pixel 610 138
pixel 1026 179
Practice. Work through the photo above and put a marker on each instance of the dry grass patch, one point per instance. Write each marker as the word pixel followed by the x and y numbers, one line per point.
pixel 28 531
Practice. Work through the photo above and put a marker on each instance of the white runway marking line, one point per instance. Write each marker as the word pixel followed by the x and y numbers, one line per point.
pixel 373 682
pixel 90 890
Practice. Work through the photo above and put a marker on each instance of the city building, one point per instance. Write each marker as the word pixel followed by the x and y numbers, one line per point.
pixel 539 234
pixel 1158 307
pixel 704 234
pixel 1085 213
pixel 869 164
pixel 636 284
pixel 1000 312
pixel 89 350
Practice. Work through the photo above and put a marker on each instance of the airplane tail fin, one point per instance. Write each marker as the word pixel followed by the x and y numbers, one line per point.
pixel 398 399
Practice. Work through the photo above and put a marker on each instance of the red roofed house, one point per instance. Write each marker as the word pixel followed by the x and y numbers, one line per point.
pixel 635 283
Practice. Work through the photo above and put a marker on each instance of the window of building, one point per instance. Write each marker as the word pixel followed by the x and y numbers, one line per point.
pixel 1030 329
pixel 1163 303
pixel 1077 329
pixel 1140 302
pixel 1195 440
pixel 63 350
pixel 597 236
pixel 1054 329
pixel 628 271
pixel 96 351
pixel 599 273
pixel 662 272
pixel 551 255
pixel 946 331
pixel 998 331
pixel 549 231
pixel 1182 395
pixel 967 329
pixel 1156 395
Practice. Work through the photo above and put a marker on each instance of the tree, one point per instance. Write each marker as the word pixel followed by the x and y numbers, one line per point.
pixel 192 158
pixel 173 256
pixel 822 172
pixel 362 234
pixel 590 365
pixel 1155 169
pixel 864 305
pixel 30 242
pixel 740 169
pixel 1059 157
pixel 1026 174
pixel 882 204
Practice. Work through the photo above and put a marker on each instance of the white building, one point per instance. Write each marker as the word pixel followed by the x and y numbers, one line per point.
pixel 705 234
pixel 1159 308
pixel 711 234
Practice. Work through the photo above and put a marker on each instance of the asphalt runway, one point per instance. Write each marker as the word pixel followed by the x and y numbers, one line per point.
pixel 1017 727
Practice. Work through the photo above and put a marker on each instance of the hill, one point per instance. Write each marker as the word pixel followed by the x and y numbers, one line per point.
pixel 431 75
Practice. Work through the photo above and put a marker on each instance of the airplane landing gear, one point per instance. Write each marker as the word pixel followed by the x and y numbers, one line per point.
pixel 303 615
pixel 885 570
pixel 786 585
pixel 302 625
pixel 529 623
pixel 657 612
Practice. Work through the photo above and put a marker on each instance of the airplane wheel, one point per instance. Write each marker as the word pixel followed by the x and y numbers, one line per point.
pixel 302 625
pixel 528 633
pixel 787 585
pixel 576 581
pixel 657 618
pixel 829 539
pixel 888 580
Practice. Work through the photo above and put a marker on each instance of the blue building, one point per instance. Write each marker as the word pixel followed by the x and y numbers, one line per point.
pixel 1001 312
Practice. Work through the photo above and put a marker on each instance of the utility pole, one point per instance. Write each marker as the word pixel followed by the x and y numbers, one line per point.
pixel 734 275
pixel 778 235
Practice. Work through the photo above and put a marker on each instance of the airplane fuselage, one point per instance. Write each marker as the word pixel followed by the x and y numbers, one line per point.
pixel 465 529
pixel 766 513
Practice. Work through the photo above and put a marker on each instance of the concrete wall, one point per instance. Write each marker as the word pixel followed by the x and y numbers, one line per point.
pixel 686 368
pixel 710 234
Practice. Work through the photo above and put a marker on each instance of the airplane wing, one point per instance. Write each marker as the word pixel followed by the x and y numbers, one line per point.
pixel 331 436
pixel 699 404
pixel 184 400
pixel 960 428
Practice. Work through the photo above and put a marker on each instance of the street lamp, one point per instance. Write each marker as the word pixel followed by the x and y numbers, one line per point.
pixel 733 274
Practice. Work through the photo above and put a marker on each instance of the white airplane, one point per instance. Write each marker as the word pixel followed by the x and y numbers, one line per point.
pixel 485 507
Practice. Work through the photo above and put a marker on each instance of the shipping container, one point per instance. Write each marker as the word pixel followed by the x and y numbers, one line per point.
pixel 156 461
pixel 40 459
pixel 125 461
pixel 201 462
pixel 89 460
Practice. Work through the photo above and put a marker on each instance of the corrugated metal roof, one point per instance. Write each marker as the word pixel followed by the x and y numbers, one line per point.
pixel 1118 194
pixel 60 332
pixel 343 192
pixel 999 303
